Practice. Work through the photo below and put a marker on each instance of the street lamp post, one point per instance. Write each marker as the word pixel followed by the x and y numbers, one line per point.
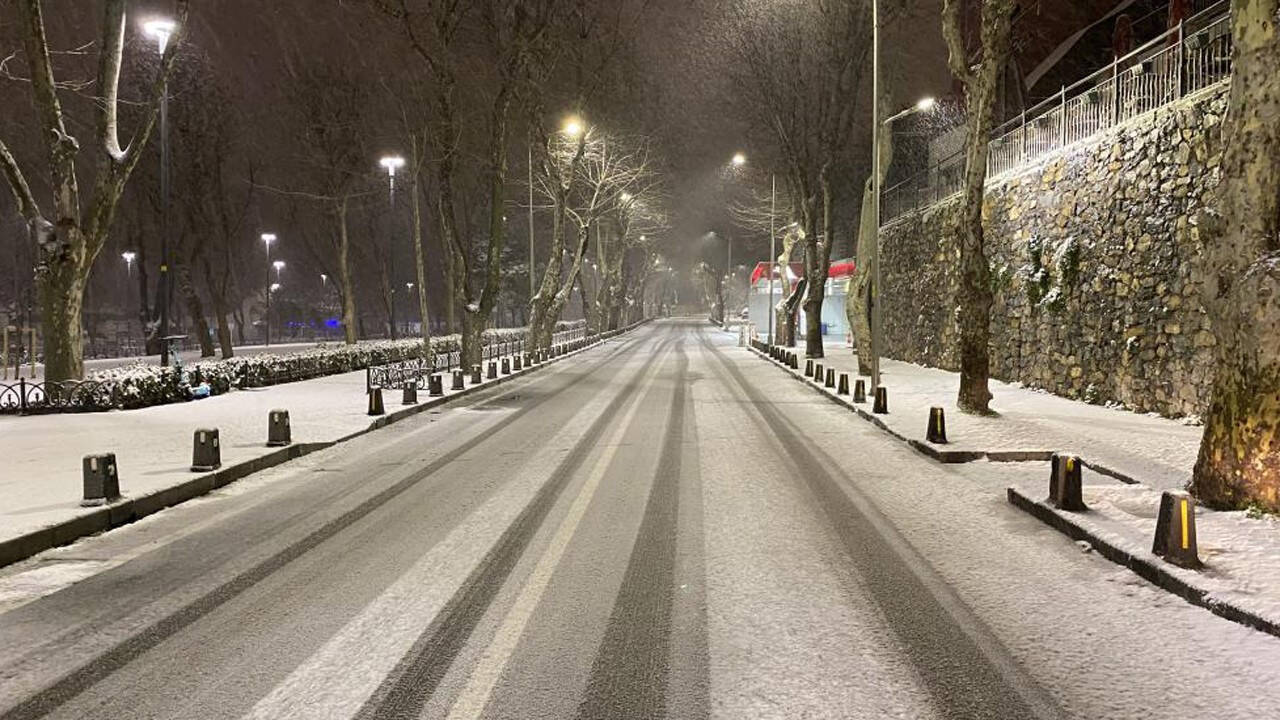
pixel 739 160
pixel 925 105
pixel 128 257
pixel 267 239
pixel 161 31
pixel 391 164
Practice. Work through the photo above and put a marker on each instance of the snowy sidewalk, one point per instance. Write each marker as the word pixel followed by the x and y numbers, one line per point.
pixel 41 483
pixel 1154 451
pixel 1240 579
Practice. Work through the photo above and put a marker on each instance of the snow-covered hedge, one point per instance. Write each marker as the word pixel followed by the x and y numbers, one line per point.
pixel 136 386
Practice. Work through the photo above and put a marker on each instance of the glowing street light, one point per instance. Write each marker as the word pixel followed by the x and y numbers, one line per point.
pixel 278 265
pixel 572 127
pixel 391 163
pixel 160 29
pixel 128 261
pixel 926 104
pixel 739 160
pixel 267 240
pixel 275 287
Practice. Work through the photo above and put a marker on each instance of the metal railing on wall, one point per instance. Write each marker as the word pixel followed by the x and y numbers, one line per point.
pixel 1190 57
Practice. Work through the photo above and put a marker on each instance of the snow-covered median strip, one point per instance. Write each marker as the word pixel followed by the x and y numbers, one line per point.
pixel 1240 580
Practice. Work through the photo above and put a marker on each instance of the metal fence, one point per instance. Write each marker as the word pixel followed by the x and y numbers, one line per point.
pixel 399 374
pixel 1191 57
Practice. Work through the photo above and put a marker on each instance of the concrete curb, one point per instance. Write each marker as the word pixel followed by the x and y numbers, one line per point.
pixel 132 509
pixel 1146 566
pixel 940 454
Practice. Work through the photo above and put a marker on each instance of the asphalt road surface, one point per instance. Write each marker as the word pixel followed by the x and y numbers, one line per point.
pixel 661 527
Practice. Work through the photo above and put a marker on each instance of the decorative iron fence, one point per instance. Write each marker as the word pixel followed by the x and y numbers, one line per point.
pixel 398 374
pixel 30 397
pixel 1191 57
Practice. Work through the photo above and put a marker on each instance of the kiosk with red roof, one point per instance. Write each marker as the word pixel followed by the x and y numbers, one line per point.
pixel 833 319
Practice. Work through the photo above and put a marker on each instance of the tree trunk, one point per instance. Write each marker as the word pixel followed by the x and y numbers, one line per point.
pixel 1239 461
pixel 61 297
pixel 472 339
pixel 218 297
pixel 195 309
pixel 420 261
pixel 346 282
pixel 974 296
pixel 857 299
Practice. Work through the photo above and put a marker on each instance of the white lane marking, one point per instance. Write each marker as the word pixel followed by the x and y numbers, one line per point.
pixel 339 677
pixel 474 697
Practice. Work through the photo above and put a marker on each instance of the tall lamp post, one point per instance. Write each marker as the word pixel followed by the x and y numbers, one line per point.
pixel 739 160
pixel 267 239
pixel 161 30
pixel 128 257
pixel 392 163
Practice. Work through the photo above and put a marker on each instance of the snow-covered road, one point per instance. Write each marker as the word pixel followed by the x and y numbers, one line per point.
pixel 667 528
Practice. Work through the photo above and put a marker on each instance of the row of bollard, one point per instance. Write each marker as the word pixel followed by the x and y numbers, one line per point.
pixel 479 374
pixel 1175 537
pixel 100 473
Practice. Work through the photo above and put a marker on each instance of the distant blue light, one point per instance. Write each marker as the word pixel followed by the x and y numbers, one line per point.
pixel 333 323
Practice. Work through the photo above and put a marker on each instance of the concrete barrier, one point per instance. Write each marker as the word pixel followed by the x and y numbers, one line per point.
pixel 881 405
pixel 1176 530
pixel 101 480
pixel 279 431
pixel 1065 486
pixel 206 450
pixel 936 432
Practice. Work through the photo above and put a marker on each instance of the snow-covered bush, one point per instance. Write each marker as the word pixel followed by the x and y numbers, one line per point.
pixel 136 386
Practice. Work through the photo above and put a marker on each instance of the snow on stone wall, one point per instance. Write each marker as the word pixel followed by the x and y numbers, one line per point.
pixel 1095 263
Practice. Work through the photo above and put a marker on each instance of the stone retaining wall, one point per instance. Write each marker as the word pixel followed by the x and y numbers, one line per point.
pixel 1094 256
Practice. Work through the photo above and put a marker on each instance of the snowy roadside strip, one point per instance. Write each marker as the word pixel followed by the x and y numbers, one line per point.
pixel 132 509
pixel 1223 593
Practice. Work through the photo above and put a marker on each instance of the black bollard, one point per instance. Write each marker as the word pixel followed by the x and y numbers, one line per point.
pixel 279 432
pixel 435 385
pixel 375 401
pixel 206 451
pixel 101 483
pixel 506 366
pixel 937 430
pixel 860 391
pixel 831 378
pixel 1176 529
pixel 475 375
pixel 843 388
pixel 458 376
pixel 410 392
pixel 515 364
pixel 881 405
pixel 493 371
pixel 817 372
pixel 1064 483
pixel 808 368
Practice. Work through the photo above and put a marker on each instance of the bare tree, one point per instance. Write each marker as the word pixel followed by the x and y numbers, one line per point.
pixel 598 182
pixel 1239 460
pixel 499 38
pixel 981 84
pixel 71 236
pixel 331 101
pixel 799 67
